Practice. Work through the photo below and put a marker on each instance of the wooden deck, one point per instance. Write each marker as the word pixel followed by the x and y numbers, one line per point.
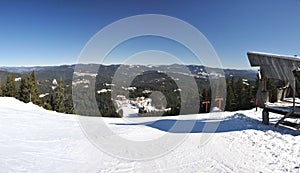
pixel 283 110
pixel 286 111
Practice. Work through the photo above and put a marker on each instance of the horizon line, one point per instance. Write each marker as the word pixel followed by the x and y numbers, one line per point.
pixel 59 65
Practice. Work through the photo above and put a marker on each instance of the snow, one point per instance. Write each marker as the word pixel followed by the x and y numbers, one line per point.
pixel 85 74
pixel 109 84
pixel 245 83
pixel 36 140
pixel 177 90
pixel 54 82
pixel 147 91
pixel 272 54
pixel 104 91
pixel 129 88
pixel 297 100
pixel 83 81
pixel 18 79
pixel 43 95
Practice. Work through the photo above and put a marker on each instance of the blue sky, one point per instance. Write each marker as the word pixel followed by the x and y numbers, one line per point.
pixel 54 32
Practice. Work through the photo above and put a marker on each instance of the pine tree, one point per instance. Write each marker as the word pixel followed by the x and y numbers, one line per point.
pixel 47 104
pixel 205 96
pixel 24 90
pixel 51 100
pixel 59 100
pixel 3 90
pixel 239 93
pixel 244 98
pixel 230 100
pixel 10 86
pixel 271 87
pixel 34 92
pixel 69 105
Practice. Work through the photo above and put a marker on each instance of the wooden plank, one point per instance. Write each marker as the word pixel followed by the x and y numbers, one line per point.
pixel 290 124
pixel 283 111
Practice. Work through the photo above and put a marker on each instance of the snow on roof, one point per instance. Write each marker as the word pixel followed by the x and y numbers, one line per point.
pixel 273 55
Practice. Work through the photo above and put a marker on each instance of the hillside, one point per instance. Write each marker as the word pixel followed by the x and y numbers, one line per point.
pixel 35 140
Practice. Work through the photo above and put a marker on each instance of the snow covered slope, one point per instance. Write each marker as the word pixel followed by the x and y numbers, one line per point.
pixel 35 140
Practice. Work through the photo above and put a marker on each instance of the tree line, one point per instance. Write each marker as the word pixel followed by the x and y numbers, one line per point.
pixel 26 90
pixel 241 94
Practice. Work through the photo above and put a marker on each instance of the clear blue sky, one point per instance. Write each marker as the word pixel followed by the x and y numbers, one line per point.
pixel 54 32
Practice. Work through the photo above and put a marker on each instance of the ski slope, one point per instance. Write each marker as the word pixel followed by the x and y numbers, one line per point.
pixel 36 140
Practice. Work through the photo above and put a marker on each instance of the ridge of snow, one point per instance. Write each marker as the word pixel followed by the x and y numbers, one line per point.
pixel 13 103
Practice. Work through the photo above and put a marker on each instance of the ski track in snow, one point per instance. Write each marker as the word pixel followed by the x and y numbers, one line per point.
pixel 36 140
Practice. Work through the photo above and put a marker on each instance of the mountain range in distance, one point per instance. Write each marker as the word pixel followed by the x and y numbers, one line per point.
pixel 65 72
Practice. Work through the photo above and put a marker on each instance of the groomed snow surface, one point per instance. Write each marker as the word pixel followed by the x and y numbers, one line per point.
pixel 36 140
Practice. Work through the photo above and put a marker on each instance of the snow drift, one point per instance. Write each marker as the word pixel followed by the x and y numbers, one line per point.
pixel 36 140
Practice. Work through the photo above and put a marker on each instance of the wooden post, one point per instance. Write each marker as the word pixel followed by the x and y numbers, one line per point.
pixel 219 99
pixel 206 105
pixel 256 104
pixel 294 94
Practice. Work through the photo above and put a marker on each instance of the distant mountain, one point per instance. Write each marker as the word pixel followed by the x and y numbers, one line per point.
pixel 46 74
pixel 246 74
pixel 23 70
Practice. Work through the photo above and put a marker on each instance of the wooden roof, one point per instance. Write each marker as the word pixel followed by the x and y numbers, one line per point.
pixel 274 66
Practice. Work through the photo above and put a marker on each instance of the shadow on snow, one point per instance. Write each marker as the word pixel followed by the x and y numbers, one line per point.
pixel 236 122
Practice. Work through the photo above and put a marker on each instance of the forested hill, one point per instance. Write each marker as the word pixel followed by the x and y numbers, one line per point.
pixel 54 84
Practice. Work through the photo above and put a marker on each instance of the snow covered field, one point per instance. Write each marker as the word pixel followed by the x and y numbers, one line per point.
pixel 35 140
